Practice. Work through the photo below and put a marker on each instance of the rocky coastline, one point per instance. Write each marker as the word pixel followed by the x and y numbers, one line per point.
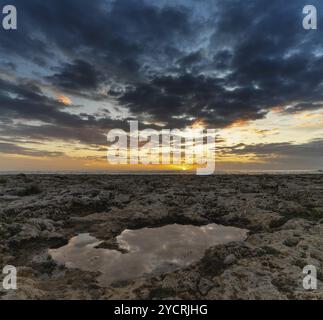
pixel 283 213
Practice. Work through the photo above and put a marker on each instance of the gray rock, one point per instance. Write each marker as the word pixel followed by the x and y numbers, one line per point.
pixel 230 259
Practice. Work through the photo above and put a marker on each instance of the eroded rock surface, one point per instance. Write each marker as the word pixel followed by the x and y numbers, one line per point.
pixel 284 214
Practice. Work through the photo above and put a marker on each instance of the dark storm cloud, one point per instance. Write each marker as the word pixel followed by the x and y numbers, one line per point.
pixel 303 106
pixel 77 76
pixel 309 150
pixel 168 61
pixel 262 57
pixel 252 54
pixel 190 97
pixel 116 35
pixel 10 148
pixel 272 55
pixel 278 156
pixel 25 101
pixel 284 155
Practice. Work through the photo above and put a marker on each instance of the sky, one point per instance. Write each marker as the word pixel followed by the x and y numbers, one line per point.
pixel 75 69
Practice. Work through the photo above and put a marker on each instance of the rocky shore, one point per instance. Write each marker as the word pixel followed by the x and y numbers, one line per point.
pixel 284 214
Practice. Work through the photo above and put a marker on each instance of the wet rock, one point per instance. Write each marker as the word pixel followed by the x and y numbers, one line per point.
pixel 28 190
pixel 230 259
pixel 283 213
pixel 205 286
pixel 291 242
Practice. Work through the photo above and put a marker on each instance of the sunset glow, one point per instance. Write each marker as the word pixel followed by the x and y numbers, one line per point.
pixel 262 95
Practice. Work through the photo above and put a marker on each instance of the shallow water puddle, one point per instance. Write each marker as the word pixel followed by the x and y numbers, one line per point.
pixel 151 251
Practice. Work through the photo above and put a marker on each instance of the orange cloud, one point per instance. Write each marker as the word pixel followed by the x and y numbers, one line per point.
pixel 310 124
pixel 64 100
pixel 239 123
pixel 265 132
pixel 277 109
pixel 307 115
pixel 198 124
